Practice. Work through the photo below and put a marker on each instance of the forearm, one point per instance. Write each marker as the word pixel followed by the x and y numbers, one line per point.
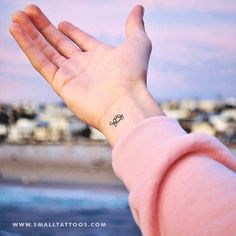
pixel 133 108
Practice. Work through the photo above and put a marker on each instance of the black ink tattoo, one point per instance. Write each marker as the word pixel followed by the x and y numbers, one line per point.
pixel 116 119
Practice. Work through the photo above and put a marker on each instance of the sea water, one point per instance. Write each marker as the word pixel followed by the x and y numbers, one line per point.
pixel 85 211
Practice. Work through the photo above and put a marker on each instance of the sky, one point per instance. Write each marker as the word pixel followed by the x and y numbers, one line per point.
pixel 194 45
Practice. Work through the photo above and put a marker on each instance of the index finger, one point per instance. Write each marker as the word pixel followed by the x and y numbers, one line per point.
pixel 50 32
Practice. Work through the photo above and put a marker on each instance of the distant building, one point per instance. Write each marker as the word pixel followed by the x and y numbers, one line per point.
pixel 78 128
pixel 3 132
pixel 97 135
pixel 208 105
pixel 41 132
pixel 177 113
pixel 21 131
pixel 204 127
pixel 58 129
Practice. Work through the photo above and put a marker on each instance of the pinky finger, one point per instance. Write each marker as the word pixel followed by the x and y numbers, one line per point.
pixel 39 61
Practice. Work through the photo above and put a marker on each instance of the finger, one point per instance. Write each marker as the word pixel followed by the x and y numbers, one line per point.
pixel 39 41
pixel 39 61
pixel 85 41
pixel 134 24
pixel 50 32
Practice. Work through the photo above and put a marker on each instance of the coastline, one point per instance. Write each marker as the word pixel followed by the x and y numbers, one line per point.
pixel 85 163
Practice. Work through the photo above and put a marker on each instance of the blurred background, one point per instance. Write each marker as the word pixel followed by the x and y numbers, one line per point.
pixel 55 168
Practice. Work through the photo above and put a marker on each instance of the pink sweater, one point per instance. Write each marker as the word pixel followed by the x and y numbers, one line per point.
pixel 180 184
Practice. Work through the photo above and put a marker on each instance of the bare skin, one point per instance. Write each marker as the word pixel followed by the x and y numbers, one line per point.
pixel 95 80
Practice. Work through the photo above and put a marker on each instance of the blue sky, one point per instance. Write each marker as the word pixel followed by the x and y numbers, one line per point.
pixel 194 49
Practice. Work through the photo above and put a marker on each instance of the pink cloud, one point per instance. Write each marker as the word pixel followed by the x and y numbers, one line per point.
pixel 182 44
pixel 205 6
pixel 228 6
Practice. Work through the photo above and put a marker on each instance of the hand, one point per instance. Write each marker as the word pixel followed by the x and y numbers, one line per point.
pixel 92 78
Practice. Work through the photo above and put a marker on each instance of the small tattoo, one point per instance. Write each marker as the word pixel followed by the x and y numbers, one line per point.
pixel 116 119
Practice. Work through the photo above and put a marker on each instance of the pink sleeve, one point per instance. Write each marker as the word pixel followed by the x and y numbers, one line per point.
pixel 179 184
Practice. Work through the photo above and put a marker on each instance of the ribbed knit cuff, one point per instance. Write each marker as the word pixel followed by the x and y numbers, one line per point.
pixel 130 154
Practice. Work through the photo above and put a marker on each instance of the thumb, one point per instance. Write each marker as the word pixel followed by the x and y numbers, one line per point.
pixel 134 25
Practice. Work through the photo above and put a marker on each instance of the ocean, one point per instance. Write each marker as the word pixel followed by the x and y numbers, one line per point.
pixel 51 210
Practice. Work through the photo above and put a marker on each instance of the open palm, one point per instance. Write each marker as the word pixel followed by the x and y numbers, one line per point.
pixel 89 75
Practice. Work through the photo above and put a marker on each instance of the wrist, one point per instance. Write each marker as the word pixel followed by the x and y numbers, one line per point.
pixel 126 112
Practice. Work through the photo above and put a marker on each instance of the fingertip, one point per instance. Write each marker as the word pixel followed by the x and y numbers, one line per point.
pixel 63 24
pixel 138 10
pixel 13 27
pixel 141 9
pixel 66 26
pixel 135 22
pixel 32 9
pixel 17 15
